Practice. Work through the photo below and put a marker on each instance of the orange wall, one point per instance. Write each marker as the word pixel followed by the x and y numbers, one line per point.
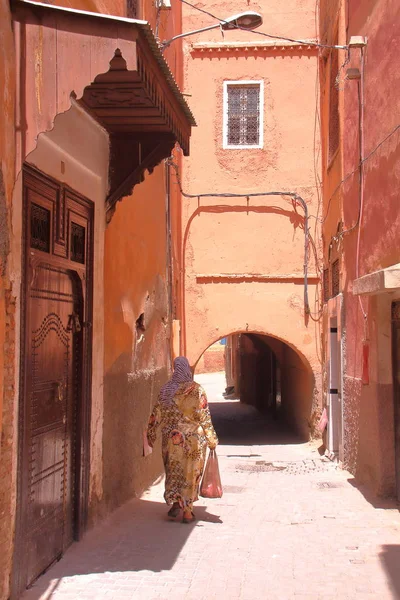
pixel 136 359
pixel 135 255
pixel 265 235
pixel 7 158
pixel 7 307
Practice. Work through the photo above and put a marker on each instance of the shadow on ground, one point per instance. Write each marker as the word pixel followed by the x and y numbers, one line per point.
pixel 390 557
pixel 136 537
pixel 240 424
pixel 373 499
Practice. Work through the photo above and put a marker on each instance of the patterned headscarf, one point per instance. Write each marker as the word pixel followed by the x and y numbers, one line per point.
pixel 182 374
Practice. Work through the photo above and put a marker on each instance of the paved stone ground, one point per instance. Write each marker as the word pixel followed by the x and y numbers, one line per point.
pixel 289 527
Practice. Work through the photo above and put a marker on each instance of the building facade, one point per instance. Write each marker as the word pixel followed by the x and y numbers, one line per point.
pixel 361 225
pixel 90 111
pixel 250 252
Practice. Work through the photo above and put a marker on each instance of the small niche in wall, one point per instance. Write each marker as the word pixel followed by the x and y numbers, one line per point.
pixel 140 327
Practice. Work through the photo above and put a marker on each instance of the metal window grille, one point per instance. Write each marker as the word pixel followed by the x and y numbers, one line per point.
pixel 243 115
pixel 78 239
pixel 326 284
pixel 335 278
pixel 40 228
pixel 334 125
pixel 132 9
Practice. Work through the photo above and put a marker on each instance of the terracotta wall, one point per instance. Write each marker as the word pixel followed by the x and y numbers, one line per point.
pixel 7 304
pixel 140 241
pixel 373 243
pixel 136 347
pixel 263 235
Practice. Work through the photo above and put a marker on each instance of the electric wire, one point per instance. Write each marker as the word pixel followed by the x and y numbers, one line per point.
pixel 355 170
pixel 295 198
pixel 262 33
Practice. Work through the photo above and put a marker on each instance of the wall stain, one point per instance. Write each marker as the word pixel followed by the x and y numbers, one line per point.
pixel 4 233
pixel 39 70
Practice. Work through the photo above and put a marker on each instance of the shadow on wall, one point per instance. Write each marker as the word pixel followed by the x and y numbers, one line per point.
pixel 137 537
pixel 390 557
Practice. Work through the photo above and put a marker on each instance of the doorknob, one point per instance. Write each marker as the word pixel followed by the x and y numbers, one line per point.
pixel 60 390
pixel 74 323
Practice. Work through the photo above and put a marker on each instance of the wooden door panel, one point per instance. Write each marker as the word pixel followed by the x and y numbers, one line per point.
pixel 40 557
pixel 52 424
pixel 55 374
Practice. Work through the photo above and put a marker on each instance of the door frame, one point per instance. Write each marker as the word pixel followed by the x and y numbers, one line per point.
pixel 33 178
pixel 335 327
pixel 395 324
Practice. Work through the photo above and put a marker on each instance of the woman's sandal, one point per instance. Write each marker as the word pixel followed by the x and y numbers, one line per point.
pixel 174 510
pixel 188 519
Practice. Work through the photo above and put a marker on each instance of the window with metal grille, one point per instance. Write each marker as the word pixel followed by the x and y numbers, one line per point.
pixel 334 122
pixel 243 114
pixel 325 282
pixel 40 228
pixel 132 9
pixel 78 242
pixel 335 278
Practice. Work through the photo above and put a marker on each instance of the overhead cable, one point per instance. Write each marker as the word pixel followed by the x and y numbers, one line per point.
pixel 296 198
pixel 267 35
pixel 347 177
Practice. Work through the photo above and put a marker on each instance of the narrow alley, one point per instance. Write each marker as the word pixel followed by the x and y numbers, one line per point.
pixel 290 525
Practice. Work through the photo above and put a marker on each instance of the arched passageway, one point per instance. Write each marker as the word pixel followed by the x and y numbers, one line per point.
pixel 260 390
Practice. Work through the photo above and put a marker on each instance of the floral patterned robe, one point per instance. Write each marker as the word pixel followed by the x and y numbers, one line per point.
pixel 187 430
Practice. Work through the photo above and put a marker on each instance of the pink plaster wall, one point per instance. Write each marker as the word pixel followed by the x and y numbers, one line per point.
pixel 264 235
pixel 368 409
pixel 373 462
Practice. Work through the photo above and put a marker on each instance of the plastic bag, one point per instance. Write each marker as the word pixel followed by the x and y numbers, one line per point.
pixel 211 483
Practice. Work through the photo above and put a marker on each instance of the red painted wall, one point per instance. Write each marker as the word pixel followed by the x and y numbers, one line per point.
pixel 372 243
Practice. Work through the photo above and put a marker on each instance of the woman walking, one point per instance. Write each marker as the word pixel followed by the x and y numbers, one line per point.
pixel 183 414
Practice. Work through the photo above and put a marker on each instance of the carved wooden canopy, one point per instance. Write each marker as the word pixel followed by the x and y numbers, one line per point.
pixel 115 69
pixel 143 121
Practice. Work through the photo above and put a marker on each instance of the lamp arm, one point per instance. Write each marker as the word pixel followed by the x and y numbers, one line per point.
pixel 181 35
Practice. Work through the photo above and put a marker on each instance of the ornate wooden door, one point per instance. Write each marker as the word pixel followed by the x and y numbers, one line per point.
pixel 54 382
pixel 396 386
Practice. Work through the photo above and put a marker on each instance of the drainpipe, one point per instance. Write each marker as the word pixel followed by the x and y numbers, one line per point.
pixel 169 271
pixel 361 191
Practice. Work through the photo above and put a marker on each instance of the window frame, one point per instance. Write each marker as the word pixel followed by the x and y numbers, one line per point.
pixel 243 82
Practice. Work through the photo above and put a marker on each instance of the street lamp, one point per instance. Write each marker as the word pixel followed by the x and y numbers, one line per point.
pixel 247 20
